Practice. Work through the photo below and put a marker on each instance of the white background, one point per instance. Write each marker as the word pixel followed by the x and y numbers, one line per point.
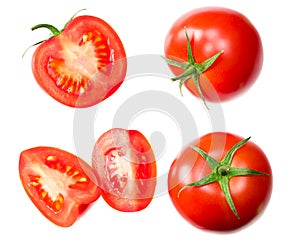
pixel 268 112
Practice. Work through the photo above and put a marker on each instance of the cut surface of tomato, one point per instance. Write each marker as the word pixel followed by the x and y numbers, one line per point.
pixel 126 167
pixel 82 65
pixel 60 184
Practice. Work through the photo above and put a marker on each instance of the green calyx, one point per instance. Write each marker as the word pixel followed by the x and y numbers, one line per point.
pixel 54 31
pixel 222 172
pixel 191 68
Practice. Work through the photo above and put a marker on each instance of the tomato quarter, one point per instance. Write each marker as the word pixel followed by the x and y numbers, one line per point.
pixel 126 166
pixel 60 184
pixel 82 64
pixel 215 52
pixel 220 182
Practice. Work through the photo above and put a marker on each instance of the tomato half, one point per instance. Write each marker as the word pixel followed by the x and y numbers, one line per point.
pixel 213 31
pixel 126 167
pixel 223 190
pixel 81 65
pixel 60 184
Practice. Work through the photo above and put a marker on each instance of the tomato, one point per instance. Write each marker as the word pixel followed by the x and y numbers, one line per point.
pixel 59 184
pixel 215 52
pixel 221 182
pixel 126 167
pixel 81 65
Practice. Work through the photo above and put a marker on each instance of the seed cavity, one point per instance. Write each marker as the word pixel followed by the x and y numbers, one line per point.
pixel 117 170
pixel 52 180
pixel 78 63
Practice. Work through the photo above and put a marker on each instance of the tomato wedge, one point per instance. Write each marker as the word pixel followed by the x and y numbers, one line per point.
pixel 126 166
pixel 60 184
pixel 81 65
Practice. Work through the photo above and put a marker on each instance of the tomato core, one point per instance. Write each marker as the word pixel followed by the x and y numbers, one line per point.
pixel 80 62
pixel 118 170
pixel 52 190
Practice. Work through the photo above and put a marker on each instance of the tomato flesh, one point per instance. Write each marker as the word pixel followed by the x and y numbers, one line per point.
pixel 58 183
pixel 126 167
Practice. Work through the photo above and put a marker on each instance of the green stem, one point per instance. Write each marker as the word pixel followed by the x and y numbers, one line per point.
pixel 75 14
pixel 51 28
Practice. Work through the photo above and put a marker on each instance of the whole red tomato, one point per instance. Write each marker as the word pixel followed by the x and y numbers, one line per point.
pixel 60 184
pixel 221 182
pixel 82 64
pixel 126 167
pixel 215 52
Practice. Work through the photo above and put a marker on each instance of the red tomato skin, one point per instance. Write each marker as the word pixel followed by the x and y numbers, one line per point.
pixel 76 202
pixel 53 48
pixel 206 207
pixel 143 165
pixel 211 30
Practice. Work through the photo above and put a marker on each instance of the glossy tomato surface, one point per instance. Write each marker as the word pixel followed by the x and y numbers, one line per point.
pixel 126 167
pixel 205 207
pixel 83 65
pixel 60 184
pixel 211 30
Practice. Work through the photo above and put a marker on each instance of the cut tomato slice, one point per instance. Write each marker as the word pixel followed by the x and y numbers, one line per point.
pixel 60 184
pixel 126 166
pixel 82 65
